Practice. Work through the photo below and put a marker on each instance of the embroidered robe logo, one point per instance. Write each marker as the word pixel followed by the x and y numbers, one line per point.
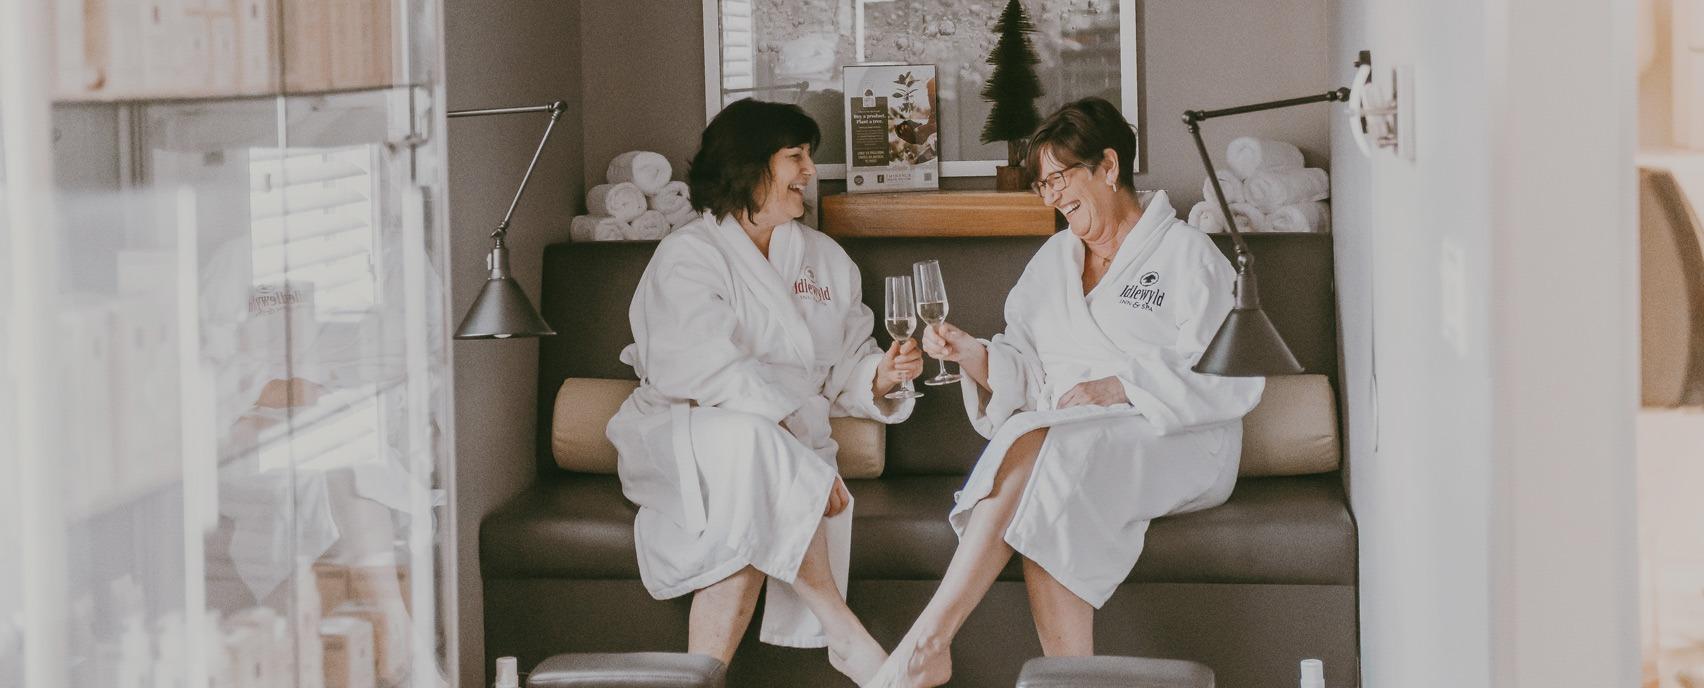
pixel 1144 294
pixel 806 285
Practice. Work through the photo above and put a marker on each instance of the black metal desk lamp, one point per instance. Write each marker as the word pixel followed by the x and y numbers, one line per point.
pixel 502 309
pixel 1246 345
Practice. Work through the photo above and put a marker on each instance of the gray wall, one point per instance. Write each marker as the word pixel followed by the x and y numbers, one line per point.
pixel 501 54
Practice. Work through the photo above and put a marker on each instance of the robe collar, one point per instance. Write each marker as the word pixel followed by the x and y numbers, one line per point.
pixel 1138 245
pixel 771 278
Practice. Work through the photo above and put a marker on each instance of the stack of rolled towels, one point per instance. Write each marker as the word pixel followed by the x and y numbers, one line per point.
pixel 1269 190
pixel 636 202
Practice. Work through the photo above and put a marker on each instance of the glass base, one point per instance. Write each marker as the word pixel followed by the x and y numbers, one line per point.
pixel 903 393
pixel 944 378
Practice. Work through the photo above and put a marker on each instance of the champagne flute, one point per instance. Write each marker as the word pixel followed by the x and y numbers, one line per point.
pixel 932 307
pixel 901 320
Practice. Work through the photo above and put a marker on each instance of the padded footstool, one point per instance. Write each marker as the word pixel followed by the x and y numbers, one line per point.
pixel 1113 672
pixel 628 670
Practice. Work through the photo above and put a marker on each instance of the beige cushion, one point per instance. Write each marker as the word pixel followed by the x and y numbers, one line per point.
pixel 1293 431
pixel 585 405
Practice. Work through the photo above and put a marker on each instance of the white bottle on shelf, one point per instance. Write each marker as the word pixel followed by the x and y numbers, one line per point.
pixel 1313 674
pixel 507 676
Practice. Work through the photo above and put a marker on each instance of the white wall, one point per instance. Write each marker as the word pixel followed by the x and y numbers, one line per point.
pixel 1464 458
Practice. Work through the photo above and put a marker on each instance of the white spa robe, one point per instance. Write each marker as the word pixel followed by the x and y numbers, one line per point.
pixel 1104 472
pixel 741 361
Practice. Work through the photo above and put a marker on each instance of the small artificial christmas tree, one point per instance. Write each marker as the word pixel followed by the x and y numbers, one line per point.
pixel 1012 88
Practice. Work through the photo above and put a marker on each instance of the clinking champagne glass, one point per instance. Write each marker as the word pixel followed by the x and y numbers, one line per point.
pixel 932 307
pixel 901 320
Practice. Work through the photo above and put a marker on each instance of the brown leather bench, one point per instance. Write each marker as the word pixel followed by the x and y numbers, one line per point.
pixel 1247 588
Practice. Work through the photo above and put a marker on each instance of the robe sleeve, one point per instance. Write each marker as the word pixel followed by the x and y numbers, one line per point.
pixel 854 372
pixel 1160 383
pixel 685 331
pixel 1015 378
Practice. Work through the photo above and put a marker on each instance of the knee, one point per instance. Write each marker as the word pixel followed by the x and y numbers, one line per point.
pixel 1020 459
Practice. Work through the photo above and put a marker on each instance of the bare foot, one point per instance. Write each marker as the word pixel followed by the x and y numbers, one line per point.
pixel 915 663
pixel 858 660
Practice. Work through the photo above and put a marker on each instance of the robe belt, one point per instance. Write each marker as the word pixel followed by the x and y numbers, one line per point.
pixel 686 465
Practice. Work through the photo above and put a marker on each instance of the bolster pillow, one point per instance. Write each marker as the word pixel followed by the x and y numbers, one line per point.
pixel 1292 431
pixel 585 405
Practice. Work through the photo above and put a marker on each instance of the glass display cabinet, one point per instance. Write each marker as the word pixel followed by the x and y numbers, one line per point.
pixel 225 401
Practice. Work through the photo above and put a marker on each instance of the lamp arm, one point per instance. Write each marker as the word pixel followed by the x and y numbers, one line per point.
pixel 555 109
pixel 1194 118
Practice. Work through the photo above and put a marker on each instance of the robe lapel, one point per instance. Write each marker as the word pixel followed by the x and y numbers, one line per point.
pixel 1157 221
pixel 766 280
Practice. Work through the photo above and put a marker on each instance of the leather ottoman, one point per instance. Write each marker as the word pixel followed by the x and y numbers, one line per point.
pixel 1113 672
pixel 628 670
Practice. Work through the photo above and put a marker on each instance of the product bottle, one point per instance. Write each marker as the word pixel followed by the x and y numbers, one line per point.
pixel 1313 673
pixel 507 677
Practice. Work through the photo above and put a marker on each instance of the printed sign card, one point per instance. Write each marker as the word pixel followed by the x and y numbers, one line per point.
pixel 891 138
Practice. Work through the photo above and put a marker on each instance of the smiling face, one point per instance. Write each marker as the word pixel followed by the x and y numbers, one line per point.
pixel 1083 194
pixel 783 197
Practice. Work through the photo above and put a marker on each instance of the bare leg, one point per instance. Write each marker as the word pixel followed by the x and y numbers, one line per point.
pixel 850 648
pixel 923 657
pixel 720 613
pixel 1065 623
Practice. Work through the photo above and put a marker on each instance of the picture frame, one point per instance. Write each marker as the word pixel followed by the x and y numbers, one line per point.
pixel 793 52
pixel 892 135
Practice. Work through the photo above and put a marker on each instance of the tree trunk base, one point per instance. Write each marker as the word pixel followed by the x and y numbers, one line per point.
pixel 1011 178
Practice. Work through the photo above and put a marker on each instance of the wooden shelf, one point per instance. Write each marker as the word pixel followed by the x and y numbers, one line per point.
pixel 936 214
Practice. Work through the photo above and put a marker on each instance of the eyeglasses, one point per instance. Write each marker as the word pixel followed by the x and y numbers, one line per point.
pixel 1054 183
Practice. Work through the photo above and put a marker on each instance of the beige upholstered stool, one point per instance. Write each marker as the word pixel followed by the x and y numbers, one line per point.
pixel 628 670
pixel 1113 672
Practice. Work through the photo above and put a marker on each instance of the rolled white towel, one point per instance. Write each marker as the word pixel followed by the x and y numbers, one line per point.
pixel 1275 189
pixel 649 226
pixel 1207 218
pixel 1247 156
pixel 1228 181
pixel 670 198
pixel 681 216
pixel 622 201
pixel 1302 217
pixel 650 171
pixel 597 228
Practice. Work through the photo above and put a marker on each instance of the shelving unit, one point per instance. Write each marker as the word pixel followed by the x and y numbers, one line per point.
pixel 937 213
pixel 239 357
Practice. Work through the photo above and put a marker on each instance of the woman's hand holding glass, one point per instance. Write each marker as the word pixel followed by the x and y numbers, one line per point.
pixel 947 342
pixel 900 365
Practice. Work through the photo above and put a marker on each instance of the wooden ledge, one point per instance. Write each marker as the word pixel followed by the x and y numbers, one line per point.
pixel 936 214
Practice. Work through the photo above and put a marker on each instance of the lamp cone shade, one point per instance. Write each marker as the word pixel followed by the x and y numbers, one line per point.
pixel 502 310
pixel 1247 345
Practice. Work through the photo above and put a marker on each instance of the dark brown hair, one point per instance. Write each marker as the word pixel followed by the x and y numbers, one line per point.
pixel 732 164
pixel 1079 133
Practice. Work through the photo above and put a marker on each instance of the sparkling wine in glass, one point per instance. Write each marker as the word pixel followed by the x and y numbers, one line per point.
pixel 901 320
pixel 932 307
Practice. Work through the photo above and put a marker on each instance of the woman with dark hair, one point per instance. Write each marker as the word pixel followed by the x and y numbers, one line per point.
pixel 749 332
pixel 1096 423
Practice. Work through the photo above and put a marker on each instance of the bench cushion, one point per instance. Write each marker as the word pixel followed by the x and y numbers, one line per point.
pixel 585 405
pixel 1292 432
pixel 1294 530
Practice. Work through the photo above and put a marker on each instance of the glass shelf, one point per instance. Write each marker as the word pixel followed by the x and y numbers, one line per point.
pixel 234 367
